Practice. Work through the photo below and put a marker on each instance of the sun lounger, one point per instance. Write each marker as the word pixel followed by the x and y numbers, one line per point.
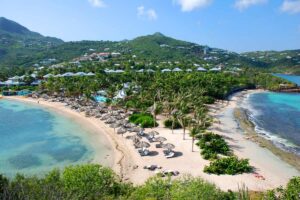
pixel 145 152
pixel 171 173
pixel 152 167
pixel 170 155
pixel 150 139
pixel 141 133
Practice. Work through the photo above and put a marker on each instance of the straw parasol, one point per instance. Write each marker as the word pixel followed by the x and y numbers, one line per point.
pixel 119 117
pixel 121 130
pixel 105 117
pixel 129 125
pixel 168 146
pixel 114 125
pixel 153 133
pixel 134 138
pixel 110 121
pixel 136 129
pixel 142 144
pixel 160 139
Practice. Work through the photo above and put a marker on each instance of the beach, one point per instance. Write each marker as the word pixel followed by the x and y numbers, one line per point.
pixel 128 163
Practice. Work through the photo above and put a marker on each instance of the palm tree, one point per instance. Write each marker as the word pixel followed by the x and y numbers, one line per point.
pixel 174 115
pixel 184 120
pixel 194 133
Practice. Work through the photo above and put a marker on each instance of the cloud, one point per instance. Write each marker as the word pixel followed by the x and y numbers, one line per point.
pixel 97 3
pixel 190 5
pixel 244 4
pixel 291 6
pixel 149 14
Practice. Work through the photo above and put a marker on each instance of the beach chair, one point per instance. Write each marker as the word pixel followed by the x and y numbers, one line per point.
pixel 150 138
pixel 170 155
pixel 146 152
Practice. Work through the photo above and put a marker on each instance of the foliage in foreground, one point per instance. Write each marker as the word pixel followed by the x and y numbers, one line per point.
pixel 291 192
pixel 212 145
pixel 96 182
pixel 143 119
pixel 187 188
pixel 230 165
pixel 75 182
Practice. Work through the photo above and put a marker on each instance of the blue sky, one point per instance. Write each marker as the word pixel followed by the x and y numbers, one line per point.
pixel 236 25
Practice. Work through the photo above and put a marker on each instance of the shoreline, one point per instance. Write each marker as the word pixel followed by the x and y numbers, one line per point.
pixel 128 164
pixel 117 162
pixel 249 129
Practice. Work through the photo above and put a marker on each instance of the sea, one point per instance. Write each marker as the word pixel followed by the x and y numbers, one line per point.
pixel 35 140
pixel 276 116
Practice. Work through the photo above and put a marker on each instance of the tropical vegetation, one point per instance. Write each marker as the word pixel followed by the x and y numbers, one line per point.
pixel 97 182
pixel 228 165
pixel 145 120
pixel 212 145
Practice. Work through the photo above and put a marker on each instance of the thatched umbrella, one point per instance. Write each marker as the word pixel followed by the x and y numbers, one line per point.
pixel 123 122
pixel 103 110
pixel 119 117
pixel 153 133
pixel 110 120
pixel 129 125
pixel 168 146
pixel 114 125
pixel 134 138
pixel 160 139
pixel 105 117
pixel 98 115
pixel 115 113
pixel 142 144
pixel 136 129
pixel 121 131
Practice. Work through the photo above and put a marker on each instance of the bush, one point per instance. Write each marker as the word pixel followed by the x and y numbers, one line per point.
pixel 231 165
pixel 168 124
pixel 212 145
pixel 208 100
pixel 76 182
pixel 291 192
pixel 187 188
pixel 144 119
pixel 3 184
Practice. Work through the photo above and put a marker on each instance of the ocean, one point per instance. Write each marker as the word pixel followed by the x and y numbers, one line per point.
pixel 35 140
pixel 276 116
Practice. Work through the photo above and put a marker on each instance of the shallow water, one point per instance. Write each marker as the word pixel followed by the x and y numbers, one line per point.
pixel 35 140
pixel 277 117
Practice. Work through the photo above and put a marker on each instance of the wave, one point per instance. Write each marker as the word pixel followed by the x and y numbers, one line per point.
pixel 253 116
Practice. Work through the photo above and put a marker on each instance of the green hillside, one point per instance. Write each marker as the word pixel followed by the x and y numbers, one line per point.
pixel 20 47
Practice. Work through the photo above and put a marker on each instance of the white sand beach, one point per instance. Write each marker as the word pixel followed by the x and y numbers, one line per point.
pixel 128 163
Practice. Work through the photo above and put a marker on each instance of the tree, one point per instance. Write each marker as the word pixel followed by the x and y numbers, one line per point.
pixel 184 120
pixel 89 181
pixel 194 132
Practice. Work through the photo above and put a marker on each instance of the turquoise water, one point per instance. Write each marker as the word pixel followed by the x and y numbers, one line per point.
pixel 277 116
pixel 292 78
pixel 35 140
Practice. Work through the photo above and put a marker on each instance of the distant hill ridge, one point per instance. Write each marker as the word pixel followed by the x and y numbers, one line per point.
pixel 21 47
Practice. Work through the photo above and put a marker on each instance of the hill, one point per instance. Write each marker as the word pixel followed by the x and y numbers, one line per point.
pixel 20 47
pixel 285 61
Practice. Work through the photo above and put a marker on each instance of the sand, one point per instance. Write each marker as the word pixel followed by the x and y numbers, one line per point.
pixel 129 164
